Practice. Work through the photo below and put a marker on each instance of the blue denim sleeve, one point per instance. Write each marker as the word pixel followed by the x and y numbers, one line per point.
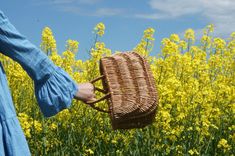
pixel 54 88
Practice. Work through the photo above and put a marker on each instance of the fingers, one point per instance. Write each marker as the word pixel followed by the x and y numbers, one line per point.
pixel 90 100
pixel 86 92
pixel 93 87
pixel 93 99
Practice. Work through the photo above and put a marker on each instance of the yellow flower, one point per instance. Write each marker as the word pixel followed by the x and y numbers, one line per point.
pixel 48 44
pixel 100 45
pixel 37 125
pixel 53 126
pixel 189 35
pixel 208 29
pixel 72 45
pixel 26 124
pixel 147 42
pixel 219 43
pixel 148 34
pixel 223 144
pixel 183 44
pixel 193 152
pixel 99 29
pixel 89 151
pixel 174 38
pixel 195 90
pixel 114 141
pixel 206 41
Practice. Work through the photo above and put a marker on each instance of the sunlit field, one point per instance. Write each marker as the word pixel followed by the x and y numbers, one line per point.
pixel 195 80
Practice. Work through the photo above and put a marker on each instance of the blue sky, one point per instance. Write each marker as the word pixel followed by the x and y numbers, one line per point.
pixel 125 20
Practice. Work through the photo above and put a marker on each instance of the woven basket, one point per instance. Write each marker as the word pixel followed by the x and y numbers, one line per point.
pixel 129 89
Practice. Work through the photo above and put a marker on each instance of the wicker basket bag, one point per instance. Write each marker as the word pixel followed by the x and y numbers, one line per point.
pixel 129 89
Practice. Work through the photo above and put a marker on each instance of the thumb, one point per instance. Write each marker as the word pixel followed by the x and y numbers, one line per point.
pixel 91 100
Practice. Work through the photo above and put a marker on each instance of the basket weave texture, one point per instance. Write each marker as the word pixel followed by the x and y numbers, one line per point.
pixel 133 96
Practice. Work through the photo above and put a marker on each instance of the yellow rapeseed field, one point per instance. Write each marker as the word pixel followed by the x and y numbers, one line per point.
pixel 196 115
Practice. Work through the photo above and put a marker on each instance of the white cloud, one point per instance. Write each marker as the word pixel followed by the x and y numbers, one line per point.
pixel 77 7
pixel 154 16
pixel 61 1
pixel 175 8
pixel 90 1
pixel 109 11
pixel 97 12
pixel 221 13
pixel 72 9
pixel 64 2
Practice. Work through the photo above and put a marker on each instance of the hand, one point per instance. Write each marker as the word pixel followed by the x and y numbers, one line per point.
pixel 85 92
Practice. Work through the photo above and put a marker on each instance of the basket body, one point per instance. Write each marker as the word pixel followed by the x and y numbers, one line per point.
pixel 134 98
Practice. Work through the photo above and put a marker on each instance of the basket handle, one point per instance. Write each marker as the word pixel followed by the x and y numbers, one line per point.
pixel 106 96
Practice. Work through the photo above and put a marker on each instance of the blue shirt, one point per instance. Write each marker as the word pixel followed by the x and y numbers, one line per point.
pixel 54 88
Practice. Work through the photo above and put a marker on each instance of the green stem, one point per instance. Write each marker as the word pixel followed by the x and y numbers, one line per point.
pixel 146 47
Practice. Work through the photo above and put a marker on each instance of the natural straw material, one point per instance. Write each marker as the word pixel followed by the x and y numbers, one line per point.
pixel 131 90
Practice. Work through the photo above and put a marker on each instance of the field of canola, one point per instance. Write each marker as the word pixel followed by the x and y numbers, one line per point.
pixel 196 115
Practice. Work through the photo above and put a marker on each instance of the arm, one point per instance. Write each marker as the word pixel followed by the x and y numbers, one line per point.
pixel 54 88
pixel 16 46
